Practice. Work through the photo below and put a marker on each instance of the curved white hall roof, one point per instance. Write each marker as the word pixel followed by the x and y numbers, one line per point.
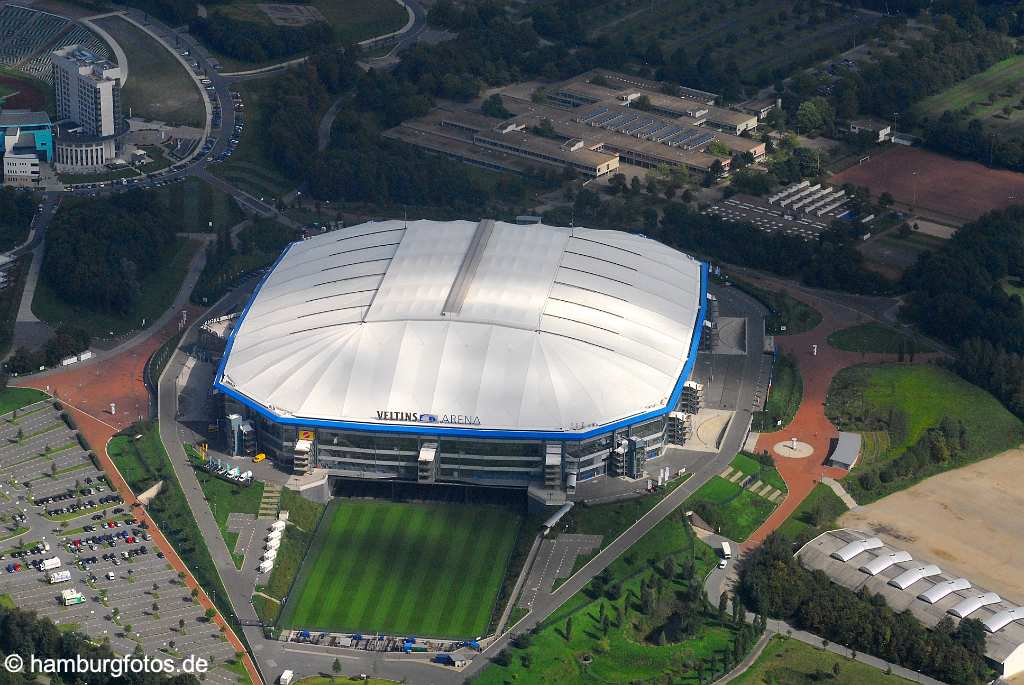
pixel 490 326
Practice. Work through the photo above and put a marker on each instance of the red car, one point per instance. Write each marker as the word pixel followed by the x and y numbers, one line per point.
pixel 130 539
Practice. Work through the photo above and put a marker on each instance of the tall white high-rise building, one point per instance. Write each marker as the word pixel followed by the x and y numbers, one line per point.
pixel 88 90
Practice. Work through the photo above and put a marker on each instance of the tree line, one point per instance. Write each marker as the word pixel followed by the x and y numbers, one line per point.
pixel 774 583
pixel 98 252
pixel 252 41
pixel 24 633
pixel 957 294
pixel 16 211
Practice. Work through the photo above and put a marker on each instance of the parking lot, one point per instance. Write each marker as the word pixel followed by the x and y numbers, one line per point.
pixel 740 208
pixel 130 594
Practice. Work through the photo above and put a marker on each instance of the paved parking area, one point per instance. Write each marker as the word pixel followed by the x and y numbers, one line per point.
pixel 131 598
pixel 766 218
pixel 555 559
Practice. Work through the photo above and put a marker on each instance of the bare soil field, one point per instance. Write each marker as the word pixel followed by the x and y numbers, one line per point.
pixel 969 521
pixel 952 189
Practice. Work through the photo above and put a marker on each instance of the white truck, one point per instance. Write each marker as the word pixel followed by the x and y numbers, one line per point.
pixel 49 564
pixel 286 678
pixel 71 597
pixel 726 550
pixel 59 577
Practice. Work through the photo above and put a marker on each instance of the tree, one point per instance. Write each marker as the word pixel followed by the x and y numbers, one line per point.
pixel 808 118
pixel 835 669
pixel 723 605
pixel 210 613
pixel 495 107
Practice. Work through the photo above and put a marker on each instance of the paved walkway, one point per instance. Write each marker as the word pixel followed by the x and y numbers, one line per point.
pixel 841 492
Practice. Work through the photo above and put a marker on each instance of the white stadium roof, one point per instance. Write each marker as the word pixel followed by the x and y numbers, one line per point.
pixel 493 326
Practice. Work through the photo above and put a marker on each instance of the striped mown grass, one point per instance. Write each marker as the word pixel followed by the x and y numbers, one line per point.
pixel 431 570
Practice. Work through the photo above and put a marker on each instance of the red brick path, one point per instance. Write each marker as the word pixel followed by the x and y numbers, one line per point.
pixel 810 425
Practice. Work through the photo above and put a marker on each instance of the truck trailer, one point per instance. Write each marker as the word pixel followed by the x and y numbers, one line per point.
pixel 59 576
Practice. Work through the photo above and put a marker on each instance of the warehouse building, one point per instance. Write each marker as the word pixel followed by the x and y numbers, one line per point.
pixel 858 559
pixel 475 353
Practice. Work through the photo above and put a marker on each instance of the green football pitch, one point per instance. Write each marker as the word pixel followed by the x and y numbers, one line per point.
pixel 431 570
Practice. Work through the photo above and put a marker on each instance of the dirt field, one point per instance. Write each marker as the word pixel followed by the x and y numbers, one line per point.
pixel 969 521
pixel 945 188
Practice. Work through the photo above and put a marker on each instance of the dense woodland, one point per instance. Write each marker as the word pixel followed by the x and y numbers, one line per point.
pixel 256 42
pixel 23 633
pixel 98 252
pixel 964 282
pixel 16 210
pixel 774 583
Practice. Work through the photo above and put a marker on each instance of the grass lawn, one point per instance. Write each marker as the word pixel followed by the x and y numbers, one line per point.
pixel 144 462
pixel 794 663
pixel 784 396
pixel 16 398
pixel 197 203
pixel 983 95
pixel 159 86
pixel 249 167
pixel 403 568
pixel 814 515
pixel 874 337
pixel 925 394
pixel 226 498
pixel 624 654
pixel 6 602
pixel 159 289
pixel 752 467
pixel 303 517
pixel 738 512
pixel 786 314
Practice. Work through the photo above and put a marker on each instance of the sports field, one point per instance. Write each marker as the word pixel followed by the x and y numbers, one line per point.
pixel 953 190
pixel 431 570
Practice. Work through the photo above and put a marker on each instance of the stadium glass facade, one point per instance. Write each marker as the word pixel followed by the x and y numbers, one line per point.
pixel 384 455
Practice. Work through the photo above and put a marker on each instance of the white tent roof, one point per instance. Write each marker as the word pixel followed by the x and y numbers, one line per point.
pixel 489 325
pixel 911 576
pixel 946 587
pixel 850 550
pixel 880 563
pixel 973 603
pixel 1003 618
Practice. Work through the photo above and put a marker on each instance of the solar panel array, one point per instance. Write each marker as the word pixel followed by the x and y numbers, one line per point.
pixel 647 127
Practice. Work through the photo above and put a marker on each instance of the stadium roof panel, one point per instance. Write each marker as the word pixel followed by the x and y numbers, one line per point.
pixel 490 326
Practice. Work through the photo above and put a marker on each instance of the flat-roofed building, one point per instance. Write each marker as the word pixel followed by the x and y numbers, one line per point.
pixel 729 121
pixel 88 89
pixel 857 559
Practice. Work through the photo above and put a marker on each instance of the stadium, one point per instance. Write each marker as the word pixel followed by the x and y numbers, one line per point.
pixel 467 353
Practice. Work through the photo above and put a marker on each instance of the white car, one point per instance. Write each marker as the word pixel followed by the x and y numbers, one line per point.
pixel 723 563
